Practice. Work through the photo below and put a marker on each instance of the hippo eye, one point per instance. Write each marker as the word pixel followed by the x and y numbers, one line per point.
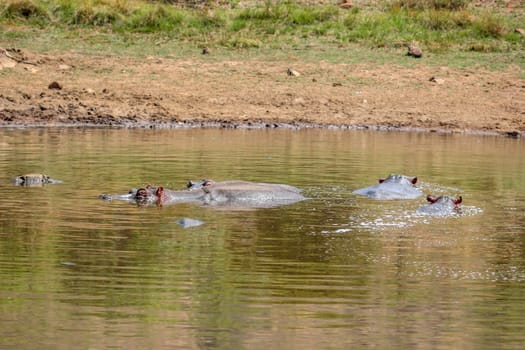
pixel 141 193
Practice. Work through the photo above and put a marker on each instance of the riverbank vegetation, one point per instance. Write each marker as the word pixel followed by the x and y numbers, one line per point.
pixel 437 25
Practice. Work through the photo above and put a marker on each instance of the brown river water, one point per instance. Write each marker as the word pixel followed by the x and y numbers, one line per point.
pixel 331 272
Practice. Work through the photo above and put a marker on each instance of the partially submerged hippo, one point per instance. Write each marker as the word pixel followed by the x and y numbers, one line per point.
pixel 393 187
pixel 34 180
pixel 241 194
pixel 440 206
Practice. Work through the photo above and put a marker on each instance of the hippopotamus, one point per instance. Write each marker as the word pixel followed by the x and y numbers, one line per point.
pixel 34 180
pixel 241 194
pixel 440 206
pixel 393 187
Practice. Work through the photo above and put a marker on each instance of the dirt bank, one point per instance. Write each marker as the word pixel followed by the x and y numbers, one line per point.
pixel 162 92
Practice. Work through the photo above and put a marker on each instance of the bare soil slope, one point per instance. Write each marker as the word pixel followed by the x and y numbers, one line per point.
pixel 161 92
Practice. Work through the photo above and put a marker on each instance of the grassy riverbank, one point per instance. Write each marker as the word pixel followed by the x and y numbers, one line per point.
pixel 437 26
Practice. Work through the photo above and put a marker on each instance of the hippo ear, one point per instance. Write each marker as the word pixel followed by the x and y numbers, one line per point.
pixel 158 193
pixel 381 181
pixel 414 180
pixel 431 199
pixel 458 200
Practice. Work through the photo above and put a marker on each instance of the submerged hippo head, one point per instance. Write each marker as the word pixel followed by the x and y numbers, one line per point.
pixel 393 187
pixel 400 179
pixel 440 205
pixel 444 199
pixel 142 196
pixel 34 180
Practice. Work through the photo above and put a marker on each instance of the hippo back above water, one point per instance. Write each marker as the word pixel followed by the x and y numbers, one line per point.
pixel 393 187
pixel 250 193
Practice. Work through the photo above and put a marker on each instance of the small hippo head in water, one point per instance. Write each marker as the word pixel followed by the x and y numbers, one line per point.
pixel 30 180
pixel 393 187
pixel 440 205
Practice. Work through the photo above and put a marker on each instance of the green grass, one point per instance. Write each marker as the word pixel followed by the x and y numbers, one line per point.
pixel 439 26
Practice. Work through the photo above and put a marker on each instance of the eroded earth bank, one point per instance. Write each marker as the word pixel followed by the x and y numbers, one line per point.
pixel 78 89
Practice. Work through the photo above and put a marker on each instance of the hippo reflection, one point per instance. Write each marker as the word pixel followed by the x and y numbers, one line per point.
pixel 440 206
pixel 240 194
pixel 393 187
pixel 30 180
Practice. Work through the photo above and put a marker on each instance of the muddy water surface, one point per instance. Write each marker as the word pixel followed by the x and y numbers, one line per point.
pixel 335 271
